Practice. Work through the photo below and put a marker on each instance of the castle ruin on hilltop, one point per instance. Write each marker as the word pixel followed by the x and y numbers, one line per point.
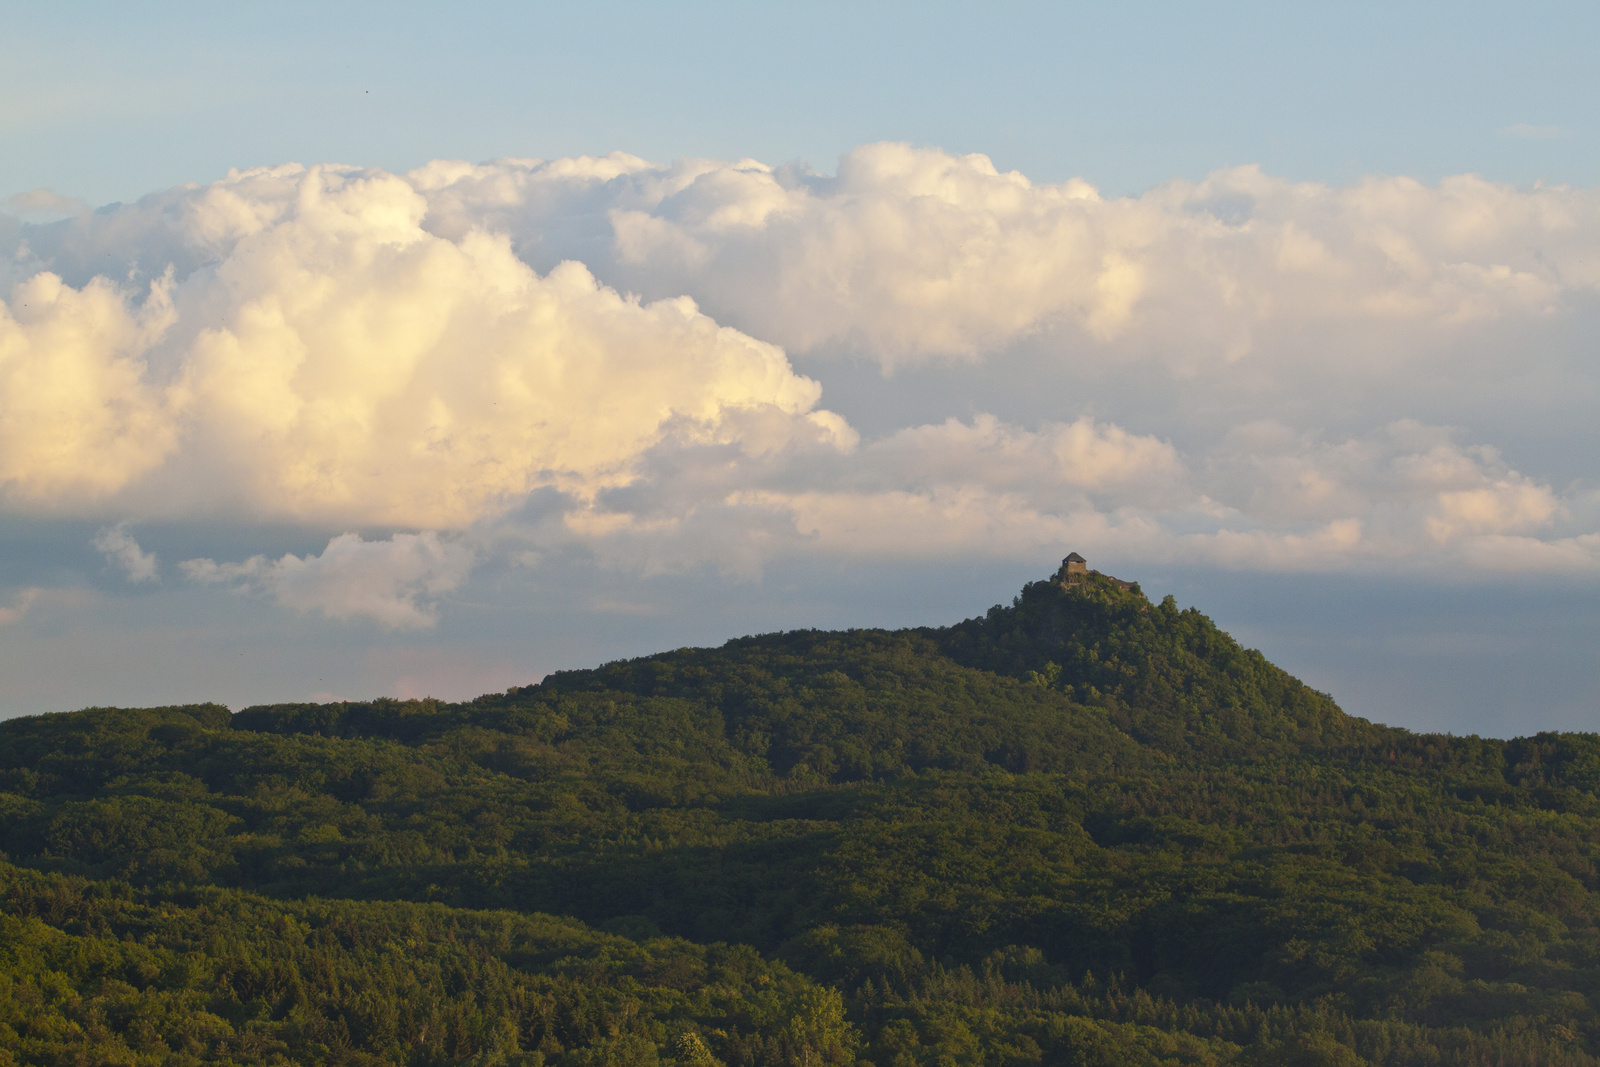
pixel 1075 571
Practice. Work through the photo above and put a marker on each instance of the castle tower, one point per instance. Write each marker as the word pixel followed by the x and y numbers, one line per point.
pixel 1075 564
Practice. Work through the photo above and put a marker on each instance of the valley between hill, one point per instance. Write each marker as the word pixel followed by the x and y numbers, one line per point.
pixel 1081 829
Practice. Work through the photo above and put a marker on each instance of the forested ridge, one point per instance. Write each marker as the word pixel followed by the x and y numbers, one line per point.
pixel 1082 829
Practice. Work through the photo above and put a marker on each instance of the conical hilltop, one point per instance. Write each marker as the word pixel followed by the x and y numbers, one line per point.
pixel 1167 676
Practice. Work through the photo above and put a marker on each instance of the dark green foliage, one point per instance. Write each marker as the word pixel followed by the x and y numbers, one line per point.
pixel 1169 677
pixel 1084 829
pixel 93 972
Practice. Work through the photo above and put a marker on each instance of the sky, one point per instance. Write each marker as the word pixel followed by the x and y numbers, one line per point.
pixel 415 350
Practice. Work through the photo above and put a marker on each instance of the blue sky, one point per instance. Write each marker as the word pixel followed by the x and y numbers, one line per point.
pixel 1286 310
pixel 111 101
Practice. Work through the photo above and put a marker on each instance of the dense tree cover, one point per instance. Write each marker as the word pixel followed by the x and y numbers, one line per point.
pixel 96 972
pixel 1082 829
pixel 1169 677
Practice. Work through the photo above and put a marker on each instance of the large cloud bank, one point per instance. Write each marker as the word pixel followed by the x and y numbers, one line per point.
pixel 336 362
pixel 909 253
pixel 428 353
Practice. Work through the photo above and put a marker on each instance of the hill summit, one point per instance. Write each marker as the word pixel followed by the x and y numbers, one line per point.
pixel 1081 828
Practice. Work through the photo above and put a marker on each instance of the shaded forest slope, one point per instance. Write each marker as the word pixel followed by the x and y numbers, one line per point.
pixel 1082 828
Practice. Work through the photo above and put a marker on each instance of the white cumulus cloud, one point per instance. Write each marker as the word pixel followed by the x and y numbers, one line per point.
pixel 395 582
pixel 1266 497
pixel 907 253
pixel 123 551
pixel 910 252
pixel 338 363
pixel 595 351
pixel 79 418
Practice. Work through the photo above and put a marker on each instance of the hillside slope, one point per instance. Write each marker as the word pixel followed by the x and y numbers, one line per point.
pixel 1083 828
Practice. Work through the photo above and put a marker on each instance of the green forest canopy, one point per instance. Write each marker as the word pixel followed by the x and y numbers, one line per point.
pixel 1081 829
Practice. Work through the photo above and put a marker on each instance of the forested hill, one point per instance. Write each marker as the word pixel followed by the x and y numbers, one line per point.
pixel 1170 678
pixel 1081 829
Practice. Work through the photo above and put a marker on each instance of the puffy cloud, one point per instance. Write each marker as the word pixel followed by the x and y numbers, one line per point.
pixel 1528 555
pixel 1084 455
pixel 1264 498
pixel 909 252
pixel 349 348
pixel 122 551
pixel 1407 483
pixel 1406 496
pixel 983 487
pixel 394 583
pixel 341 364
pixel 1502 507
pixel 78 417
pixel 386 375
